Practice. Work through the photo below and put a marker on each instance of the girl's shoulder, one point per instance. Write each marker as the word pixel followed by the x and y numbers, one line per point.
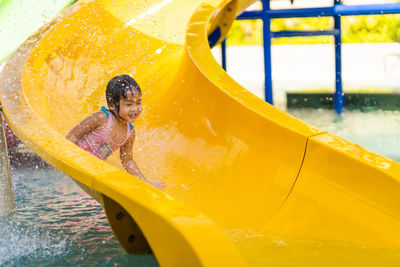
pixel 105 111
pixel 97 119
pixel 99 115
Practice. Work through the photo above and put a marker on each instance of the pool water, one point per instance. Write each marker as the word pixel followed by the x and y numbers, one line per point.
pixel 56 223
pixel 377 131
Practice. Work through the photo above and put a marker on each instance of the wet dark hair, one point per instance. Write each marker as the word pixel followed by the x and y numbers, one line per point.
pixel 117 87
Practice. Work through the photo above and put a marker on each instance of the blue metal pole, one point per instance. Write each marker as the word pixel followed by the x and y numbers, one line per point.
pixel 375 9
pixel 267 52
pixel 303 33
pixel 339 95
pixel 223 54
pixel 338 9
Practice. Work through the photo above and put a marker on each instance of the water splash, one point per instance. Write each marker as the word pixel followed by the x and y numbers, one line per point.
pixel 56 223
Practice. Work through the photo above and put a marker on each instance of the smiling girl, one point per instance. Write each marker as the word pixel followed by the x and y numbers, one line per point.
pixel 109 129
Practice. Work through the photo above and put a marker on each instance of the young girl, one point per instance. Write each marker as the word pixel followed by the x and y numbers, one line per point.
pixel 105 131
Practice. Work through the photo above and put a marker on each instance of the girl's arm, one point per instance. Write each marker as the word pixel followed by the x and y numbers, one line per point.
pixel 90 123
pixel 125 153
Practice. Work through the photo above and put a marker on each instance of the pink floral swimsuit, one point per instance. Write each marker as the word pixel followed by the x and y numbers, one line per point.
pixel 99 143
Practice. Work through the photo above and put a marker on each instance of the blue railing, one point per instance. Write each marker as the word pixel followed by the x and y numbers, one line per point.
pixel 335 11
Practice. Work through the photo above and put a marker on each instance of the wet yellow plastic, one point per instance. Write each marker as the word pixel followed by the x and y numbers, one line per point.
pixel 235 167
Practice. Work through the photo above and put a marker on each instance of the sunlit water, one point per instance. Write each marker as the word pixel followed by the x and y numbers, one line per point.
pixel 56 223
pixel 377 131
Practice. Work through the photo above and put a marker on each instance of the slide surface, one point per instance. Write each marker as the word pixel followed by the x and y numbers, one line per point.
pixel 243 178
pixel 19 20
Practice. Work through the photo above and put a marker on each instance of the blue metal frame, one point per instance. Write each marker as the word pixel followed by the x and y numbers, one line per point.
pixel 267 54
pixel 223 54
pixel 335 11
pixel 339 95
pixel 338 9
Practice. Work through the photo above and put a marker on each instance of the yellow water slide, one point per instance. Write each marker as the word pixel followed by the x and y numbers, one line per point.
pixel 241 175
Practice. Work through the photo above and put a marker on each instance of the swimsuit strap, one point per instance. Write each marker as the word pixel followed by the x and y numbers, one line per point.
pixel 129 126
pixel 109 122
pixel 105 110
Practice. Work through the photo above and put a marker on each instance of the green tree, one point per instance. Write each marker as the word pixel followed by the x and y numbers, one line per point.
pixel 355 29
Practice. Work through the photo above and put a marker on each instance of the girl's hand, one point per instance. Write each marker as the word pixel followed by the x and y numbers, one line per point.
pixel 157 184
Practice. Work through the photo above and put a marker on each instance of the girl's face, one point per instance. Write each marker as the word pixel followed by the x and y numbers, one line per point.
pixel 131 106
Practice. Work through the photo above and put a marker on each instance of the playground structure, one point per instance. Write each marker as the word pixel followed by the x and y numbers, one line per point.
pixel 336 11
pixel 234 165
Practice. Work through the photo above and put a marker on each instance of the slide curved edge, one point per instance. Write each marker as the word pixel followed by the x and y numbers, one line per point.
pixel 176 233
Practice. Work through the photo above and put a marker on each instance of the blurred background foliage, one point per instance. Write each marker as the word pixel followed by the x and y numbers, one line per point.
pixel 355 29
